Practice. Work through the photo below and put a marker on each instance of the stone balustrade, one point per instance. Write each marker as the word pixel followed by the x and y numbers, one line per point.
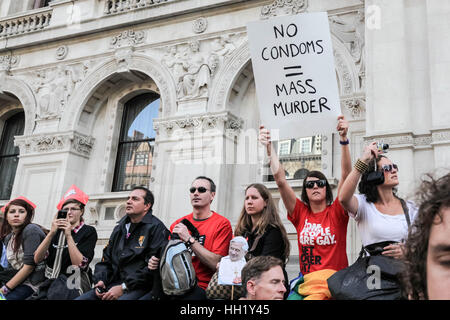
pixel 117 6
pixel 25 23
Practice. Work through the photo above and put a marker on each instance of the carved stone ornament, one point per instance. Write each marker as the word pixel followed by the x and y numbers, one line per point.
pixel 123 58
pixel 200 25
pixel 402 140
pixel 61 52
pixel 283 7
pixel 92 216
pixel 191 68
pixel 441 136
pixel 8 61
pixel 127 38
pixel 354 106
pixel 63 142
pixel 53 88
pixel 399 140
pixel 351 31
pixel 224 121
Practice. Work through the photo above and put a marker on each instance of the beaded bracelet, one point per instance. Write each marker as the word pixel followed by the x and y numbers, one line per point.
pixel 361 166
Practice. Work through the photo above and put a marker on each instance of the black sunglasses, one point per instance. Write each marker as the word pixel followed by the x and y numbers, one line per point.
pixel 319 183
pixel 200 189
pixel 389 167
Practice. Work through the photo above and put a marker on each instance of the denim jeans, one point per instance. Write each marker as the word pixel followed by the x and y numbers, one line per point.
pixel 21 292
pixel 131 295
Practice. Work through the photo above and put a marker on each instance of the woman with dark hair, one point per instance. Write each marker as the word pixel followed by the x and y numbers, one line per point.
pixel 68 246
pixel 321 224
pixel 23 276
pixel 381 216
pixel 427 258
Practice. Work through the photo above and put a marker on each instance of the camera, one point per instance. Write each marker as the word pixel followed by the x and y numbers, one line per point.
pixel 383 147
pixel 62 214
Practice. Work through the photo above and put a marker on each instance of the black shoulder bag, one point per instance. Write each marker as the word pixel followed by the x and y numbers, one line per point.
pixel 374 277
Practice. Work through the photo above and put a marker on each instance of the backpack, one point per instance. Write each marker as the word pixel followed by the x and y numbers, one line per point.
pixel 177 272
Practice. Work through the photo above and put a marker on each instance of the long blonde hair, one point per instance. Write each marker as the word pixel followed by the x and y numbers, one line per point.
pixel 269 217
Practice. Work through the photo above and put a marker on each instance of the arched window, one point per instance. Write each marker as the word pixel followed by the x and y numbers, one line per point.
pixel 300 174
pixel 136 142
pixel 9 154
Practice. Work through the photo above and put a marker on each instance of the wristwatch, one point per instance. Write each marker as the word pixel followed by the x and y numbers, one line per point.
pixel 124 287
pixel 191 241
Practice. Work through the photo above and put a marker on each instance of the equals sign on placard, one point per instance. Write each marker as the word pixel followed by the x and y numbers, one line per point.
pixel 293 71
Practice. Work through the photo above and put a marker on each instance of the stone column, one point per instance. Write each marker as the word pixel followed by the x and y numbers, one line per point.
pixel 187 147
pixel 398 85
pixel 48 165
pixel 439 64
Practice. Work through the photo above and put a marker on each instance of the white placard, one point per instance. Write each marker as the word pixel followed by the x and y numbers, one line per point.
pixel 293 64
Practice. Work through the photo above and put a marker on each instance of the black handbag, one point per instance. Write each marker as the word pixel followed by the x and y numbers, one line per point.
pixel 369 278
pixel 374 277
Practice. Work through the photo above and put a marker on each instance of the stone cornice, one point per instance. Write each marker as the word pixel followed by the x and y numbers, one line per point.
pixel 225 121
pixel 411 140
pixel 71 141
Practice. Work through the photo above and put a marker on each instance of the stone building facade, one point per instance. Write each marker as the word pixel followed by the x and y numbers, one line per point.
pixel 72 68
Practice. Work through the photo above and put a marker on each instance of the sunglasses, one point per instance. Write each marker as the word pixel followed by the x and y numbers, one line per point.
pixel 200 189
pixel 319 183
pixel 389 167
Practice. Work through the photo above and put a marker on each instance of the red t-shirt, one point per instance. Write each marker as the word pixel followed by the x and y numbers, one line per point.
pixel 215 235
pixel 322 237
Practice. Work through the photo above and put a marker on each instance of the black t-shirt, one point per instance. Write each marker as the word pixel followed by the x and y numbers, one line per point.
pixel 85 239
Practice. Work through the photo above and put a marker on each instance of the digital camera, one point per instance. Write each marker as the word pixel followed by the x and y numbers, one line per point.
pixel 383 147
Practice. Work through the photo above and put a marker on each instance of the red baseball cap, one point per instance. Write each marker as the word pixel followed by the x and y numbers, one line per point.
pixel 73 193
pixel 19 198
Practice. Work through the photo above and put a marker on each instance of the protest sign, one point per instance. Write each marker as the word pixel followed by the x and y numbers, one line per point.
pixel 295 77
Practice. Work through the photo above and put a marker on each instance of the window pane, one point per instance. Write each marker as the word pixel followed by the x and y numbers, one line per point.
pixel 134 157
pixel 14 126
pixel 299 156
pixel 138 118
pixel 8 167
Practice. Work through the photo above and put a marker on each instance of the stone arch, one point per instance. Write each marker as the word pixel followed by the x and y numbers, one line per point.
pixel 228 76
pixel 347 75
pixel 23 92
pixel 300 173
pixel 94 80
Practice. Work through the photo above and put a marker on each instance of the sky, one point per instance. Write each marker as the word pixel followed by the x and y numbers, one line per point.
pixel 144 121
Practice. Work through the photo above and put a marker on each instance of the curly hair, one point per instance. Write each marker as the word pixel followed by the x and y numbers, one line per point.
pixel 368 189
pixel 433 195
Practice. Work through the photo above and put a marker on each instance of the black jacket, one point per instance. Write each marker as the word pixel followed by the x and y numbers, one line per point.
pixel 126 260
pixel 270 244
